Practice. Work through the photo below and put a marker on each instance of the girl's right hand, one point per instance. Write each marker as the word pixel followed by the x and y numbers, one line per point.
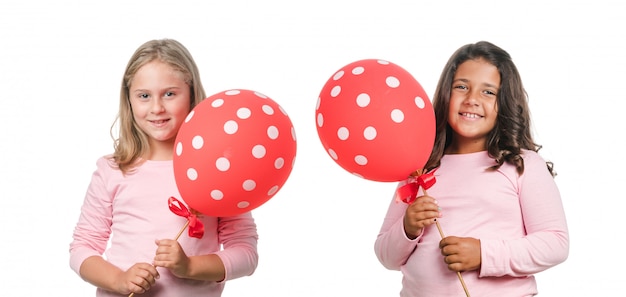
pixel 421 213
pixel 138 279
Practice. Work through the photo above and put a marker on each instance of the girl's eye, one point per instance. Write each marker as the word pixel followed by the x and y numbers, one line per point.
pixel 169 94
pixel 143 96
pixel 460 87
pixel 488 92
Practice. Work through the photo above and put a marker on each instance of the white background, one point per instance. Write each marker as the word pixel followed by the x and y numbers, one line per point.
pixel 60 69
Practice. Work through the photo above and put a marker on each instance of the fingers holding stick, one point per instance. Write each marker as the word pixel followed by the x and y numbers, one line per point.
pixel 418 173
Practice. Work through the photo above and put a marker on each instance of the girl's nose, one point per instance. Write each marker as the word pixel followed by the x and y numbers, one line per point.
pixel 157 106
pixel 472 98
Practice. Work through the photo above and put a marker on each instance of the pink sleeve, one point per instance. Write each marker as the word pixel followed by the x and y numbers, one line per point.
pixel 239 237
pixel 92 231
pixel 547 241
pixel 392 246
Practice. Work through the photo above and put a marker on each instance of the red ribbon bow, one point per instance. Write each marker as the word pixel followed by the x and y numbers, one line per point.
pixel 196 228
pixel 407 193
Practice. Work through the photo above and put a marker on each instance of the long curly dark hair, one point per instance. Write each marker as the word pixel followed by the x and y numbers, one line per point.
pixel 512 131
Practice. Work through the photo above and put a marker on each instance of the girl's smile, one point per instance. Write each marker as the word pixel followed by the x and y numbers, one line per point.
pixel 160 101
pixel 470 115
pixel 473 105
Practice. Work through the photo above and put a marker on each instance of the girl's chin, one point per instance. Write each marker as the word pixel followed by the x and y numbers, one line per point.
pixel 167 139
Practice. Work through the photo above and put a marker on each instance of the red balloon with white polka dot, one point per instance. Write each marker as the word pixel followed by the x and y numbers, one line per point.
pixel 375 120
pixel 234 151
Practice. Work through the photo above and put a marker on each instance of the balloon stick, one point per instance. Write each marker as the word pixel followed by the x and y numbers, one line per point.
pixel 419 172
pixel 457 273
pixel 181 210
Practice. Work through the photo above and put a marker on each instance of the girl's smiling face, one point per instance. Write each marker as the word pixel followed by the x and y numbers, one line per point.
pixel 473 106
pixel 160 100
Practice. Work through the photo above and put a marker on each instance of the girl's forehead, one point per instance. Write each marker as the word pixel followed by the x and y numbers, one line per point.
pixel 156 73
pixel 478 69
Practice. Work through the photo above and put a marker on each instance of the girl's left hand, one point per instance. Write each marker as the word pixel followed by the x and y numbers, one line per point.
pixel 170 255
pixel 461 253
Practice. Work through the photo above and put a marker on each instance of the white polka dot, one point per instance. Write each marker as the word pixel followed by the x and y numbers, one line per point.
pixel 335 91
pixel 272 132
pixel 358 70
pixel 419 101
pixel 272 191
pixel 397 116
pixel 243 204
pixel 383 62
pixel 363 100
pixel 232 92
pixel 268 110
pixel 192 174
pixel 360 159
pixel 260 95
pixel 369 133
pixel 338 75
pixel 243 113
pixel 222 164
pixel 343 133
pixel 258 151
pixel 317 104
pixel 332 154
pixel 392 82
pixel 189 116
pixel 249 185
pixel 179 149
pixel 197 142
pixel 356 174
pixel 231 127
pixel 279 163
pixel 293 133
pixel 320 120
pixel 217 195
pixel 217 102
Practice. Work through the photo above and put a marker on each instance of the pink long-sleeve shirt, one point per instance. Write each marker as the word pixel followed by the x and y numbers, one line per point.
pixel 519 220
pixel 132 212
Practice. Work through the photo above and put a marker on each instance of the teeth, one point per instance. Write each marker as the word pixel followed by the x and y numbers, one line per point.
pixel 470 115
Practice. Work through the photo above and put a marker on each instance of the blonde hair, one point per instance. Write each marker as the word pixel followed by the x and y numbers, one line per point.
pixel 132 142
